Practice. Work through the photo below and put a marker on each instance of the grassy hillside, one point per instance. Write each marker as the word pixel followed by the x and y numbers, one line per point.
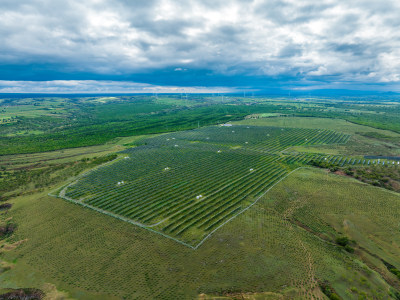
pixel 285 244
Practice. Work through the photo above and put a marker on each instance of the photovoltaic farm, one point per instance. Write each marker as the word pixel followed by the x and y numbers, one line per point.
pixel 199 197
pixel 186 185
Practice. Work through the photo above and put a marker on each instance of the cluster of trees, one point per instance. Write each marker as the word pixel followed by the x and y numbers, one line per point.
pixel 378 175
pixel 324 165
pixel 85 123
pixel 383 176
pixel 94 124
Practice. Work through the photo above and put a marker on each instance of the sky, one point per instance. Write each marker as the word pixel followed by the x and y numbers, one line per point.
pixel 199 46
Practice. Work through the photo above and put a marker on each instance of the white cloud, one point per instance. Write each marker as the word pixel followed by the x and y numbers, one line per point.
pixel 347 39
pixel 96 86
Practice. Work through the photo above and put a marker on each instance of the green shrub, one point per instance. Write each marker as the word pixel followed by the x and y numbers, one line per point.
pixel 395 272
pixel 349 172
pixel 342 241
pixel 349 249
pixel 328 290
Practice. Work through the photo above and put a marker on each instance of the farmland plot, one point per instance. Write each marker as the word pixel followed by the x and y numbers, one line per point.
pixel 185 185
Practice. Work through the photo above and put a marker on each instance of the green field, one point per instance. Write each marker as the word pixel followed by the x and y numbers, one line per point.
pixel 294 205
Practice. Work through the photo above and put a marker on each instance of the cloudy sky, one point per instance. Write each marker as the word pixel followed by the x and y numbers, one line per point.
pixel 146 45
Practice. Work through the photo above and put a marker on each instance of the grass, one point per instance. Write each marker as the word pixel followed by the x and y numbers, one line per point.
pixel 91 255
pixel 28 111
pixel 365 214
pixel 154 186
pixel 18 161
pixel 284 246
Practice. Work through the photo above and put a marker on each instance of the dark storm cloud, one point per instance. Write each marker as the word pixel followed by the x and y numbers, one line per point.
pixel 214 41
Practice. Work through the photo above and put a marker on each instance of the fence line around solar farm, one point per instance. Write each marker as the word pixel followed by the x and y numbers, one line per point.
pixel 168 236
pixel 209 234
pixel 104 191
pixel 62 195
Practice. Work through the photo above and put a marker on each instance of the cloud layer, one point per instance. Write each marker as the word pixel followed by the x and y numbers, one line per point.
pixel 101 87
pixel 212 41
